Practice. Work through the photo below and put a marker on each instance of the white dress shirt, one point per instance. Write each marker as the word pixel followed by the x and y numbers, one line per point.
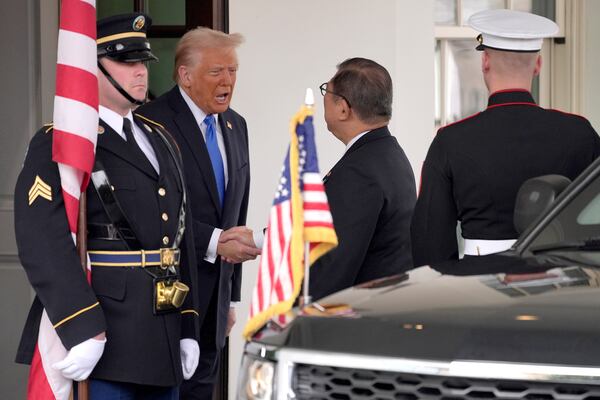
pixel 115 121
pixel 199 115
pixel 354 139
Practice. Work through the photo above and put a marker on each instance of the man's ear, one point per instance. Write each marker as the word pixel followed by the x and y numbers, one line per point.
pixel 184 76
pixel 538 65
pixel 344 109
pixel 485 62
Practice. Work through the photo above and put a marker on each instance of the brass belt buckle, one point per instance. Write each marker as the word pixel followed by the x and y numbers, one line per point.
pixel 167 258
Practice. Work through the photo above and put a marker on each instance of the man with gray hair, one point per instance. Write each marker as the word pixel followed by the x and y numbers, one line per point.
pixel 214 144
pixel 371 189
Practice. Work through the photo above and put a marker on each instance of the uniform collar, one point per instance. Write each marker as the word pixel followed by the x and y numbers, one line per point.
pixel 510 96
pixel 114 120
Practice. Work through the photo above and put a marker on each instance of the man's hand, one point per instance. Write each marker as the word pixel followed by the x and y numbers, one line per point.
pixel 236 251
pixel 242 234
pixel 190 356
pixel 231 318
pixel 81 359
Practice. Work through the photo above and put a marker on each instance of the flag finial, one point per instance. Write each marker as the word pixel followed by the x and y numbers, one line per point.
pixel 309 98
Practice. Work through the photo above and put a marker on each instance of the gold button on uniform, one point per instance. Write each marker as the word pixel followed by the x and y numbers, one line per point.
pixel 162 191
pixel 166 240
pixel 165 217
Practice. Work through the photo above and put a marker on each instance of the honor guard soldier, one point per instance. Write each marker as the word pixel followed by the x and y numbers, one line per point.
pixel 134 331
pixel 474 167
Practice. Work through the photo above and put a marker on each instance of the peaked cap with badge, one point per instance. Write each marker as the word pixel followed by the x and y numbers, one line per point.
pixel 510 30
pixel 136 214
pixel 123 38
pixel 475 166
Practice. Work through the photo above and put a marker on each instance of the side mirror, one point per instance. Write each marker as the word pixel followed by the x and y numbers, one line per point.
pixel 535 196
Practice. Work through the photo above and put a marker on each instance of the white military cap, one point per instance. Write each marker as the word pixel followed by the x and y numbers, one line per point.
pixel 511 30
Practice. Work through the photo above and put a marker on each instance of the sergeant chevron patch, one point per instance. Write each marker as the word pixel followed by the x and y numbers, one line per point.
pixel 39 189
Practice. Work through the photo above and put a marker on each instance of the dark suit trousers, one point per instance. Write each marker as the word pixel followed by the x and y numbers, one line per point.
pixel 201 385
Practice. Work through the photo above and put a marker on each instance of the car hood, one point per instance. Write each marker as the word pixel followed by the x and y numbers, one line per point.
pixel 492 308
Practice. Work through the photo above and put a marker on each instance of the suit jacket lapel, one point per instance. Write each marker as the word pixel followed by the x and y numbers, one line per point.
pixel 189 130
pixel 156 143
pixel 111 141
pixel 232 165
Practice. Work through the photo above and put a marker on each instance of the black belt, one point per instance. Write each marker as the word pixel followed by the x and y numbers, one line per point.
pixel 108 232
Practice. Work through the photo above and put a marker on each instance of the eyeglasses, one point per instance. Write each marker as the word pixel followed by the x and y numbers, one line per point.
pixel 323 89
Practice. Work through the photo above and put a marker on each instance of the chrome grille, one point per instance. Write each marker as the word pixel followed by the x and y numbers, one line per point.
pixel 315 382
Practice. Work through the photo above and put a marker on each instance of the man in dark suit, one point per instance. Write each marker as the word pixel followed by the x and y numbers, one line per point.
pixel 118 331
pixel 474 167
pixel 214 142
pixel 371 189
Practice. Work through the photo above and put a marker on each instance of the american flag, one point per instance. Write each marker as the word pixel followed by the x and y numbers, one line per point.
pixel 73 147
pixel 300 214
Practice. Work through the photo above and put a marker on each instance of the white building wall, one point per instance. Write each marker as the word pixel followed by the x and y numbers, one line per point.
pixel 292 45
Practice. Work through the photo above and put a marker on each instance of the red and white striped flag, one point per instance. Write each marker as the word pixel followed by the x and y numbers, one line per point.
pixel 300 214
pixel 73 147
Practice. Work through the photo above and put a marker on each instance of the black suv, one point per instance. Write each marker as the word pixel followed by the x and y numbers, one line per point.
pixel 523 324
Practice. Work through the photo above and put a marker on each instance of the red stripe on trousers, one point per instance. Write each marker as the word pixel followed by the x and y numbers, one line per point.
pixel 78 16
pixel 38 387
pixel 77 84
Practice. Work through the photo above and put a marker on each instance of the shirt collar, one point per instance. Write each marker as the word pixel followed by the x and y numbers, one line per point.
pixel 197 112
pixel 355 139
pixel 113 119
pixel 510 96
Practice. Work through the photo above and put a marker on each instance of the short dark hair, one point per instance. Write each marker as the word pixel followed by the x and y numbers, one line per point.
pixel 368 88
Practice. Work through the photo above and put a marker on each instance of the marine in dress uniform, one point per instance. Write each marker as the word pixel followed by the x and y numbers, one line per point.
pixel 474 167
pixel 136 214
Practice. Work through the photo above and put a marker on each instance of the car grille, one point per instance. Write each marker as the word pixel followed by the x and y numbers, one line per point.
pixel 317 382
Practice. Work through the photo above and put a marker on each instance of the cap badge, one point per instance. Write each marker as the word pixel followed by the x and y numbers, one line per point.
pixel 139 23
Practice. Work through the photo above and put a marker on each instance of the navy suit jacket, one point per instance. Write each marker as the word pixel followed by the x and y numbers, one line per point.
pixel 371 192
pixel 171 111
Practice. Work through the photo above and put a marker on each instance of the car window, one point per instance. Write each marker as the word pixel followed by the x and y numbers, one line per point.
pixel 577 221
pixel 590 215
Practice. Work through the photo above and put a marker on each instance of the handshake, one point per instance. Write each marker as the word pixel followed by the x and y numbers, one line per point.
pixel 239 244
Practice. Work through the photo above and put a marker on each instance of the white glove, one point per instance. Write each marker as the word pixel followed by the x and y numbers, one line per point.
pixel 190 355
pixel 81 359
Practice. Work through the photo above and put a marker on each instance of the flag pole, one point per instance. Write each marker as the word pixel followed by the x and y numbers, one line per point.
pixel 82 387
pixel 309 101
